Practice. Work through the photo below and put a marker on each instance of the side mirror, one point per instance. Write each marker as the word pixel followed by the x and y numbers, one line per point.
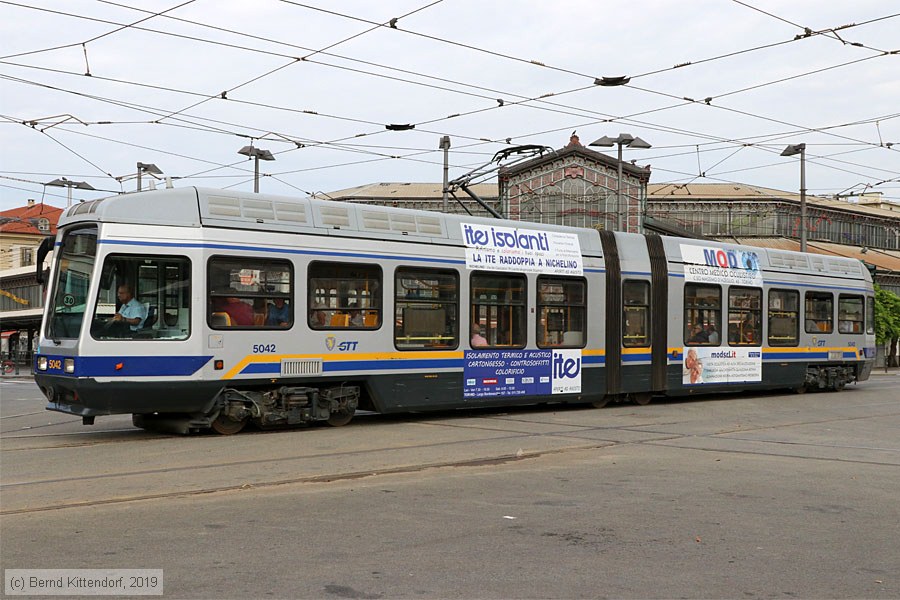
pixel 42 252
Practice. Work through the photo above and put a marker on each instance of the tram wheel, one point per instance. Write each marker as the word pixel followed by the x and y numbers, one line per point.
pixel 642 398
pixel 227 426
pixel 603 401
pixel 339 419
pixel 801 390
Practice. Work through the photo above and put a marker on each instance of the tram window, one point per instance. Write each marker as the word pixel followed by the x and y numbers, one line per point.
pixel 498 306
pixel 850 314
pixel 819 312
pixel 870 315
pixel 68 301
pixel 344 296
pixel 250 293
pixel 702 314
pixel 744 316
pixel 156 290
pixel 561 308
pixel 426 309
pixel 636 304
pixel 784 317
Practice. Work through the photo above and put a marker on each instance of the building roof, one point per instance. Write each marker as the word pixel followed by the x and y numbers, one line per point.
pixel 742 192
pixel 886 260
pixel 576 148
pixel 26 219
pixel 404 191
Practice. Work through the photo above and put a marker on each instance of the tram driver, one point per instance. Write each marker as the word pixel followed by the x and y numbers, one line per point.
pixel 131 312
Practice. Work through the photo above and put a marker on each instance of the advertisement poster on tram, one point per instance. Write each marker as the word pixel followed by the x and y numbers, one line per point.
pixel 707 364
pixel 704 264
pixel 521 250
pixel 489 373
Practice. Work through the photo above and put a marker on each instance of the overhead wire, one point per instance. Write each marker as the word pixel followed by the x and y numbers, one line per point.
pixel 484 109
pixel 882 118
pixel 807 32
pixel 95 38
pixel 293 62
pixel 609 119
pixel 538 98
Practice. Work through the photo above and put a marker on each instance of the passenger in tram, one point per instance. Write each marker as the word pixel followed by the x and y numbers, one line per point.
pixel 318 318
pixel 698 335
pixel 749 330
pixel 278 313
pixel 477 340
pixel 240 313
pixel 712 335
pixel 356 318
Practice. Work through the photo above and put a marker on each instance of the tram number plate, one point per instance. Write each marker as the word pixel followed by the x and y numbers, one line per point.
pixel 835 355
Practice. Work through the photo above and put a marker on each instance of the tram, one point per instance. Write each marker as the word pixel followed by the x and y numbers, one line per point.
pixel 198 309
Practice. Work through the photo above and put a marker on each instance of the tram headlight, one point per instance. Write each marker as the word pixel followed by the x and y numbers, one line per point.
pixel 42 363
pixel 69 365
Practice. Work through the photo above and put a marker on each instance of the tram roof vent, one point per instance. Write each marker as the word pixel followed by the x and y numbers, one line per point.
pixel 404 223
pixel 257 209
pixel 85 207
pixel 290 211
pixel 817 263
pixel 376 219
pixel 224 206
pixel 788 260
pixel 430 225
pixel 334 216
pixel 844 266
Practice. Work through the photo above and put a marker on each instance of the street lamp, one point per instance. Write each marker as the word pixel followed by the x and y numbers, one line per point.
pixel 66 183
pixel 257 154
pixel 801 150
pixel 445 146
pixel 148 168
pixel 624 139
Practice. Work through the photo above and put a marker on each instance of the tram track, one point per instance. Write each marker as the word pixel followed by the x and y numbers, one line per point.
pixel 163 466
pixel 31 414
pixel 662 439
pixel 311 479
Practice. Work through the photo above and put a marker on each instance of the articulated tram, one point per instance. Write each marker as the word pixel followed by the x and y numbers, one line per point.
pixel 195 308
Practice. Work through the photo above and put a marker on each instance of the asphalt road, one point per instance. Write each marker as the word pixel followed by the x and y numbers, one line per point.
pixel 751 496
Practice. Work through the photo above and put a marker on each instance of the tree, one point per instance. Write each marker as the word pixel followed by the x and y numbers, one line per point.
pixel 887 322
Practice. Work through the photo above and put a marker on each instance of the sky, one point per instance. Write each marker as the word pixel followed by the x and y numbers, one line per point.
pixel 90 88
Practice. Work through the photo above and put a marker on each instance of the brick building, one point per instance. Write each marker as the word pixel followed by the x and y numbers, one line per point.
pixel 574 186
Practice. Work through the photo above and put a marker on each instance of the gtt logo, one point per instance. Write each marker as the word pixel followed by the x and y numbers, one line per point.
pixel 566 368
pixel 349 346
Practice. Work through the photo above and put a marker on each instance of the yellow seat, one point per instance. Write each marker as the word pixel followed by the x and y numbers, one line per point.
pixel 220 319
pixel 340 320
pixel 370 320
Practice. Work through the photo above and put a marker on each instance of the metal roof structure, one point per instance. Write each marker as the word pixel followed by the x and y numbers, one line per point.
pixel 402 191
pixel 710 192
pixel 886 260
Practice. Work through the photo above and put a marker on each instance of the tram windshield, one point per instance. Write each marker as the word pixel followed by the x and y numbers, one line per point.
pixel 74 263
pixel 143 298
